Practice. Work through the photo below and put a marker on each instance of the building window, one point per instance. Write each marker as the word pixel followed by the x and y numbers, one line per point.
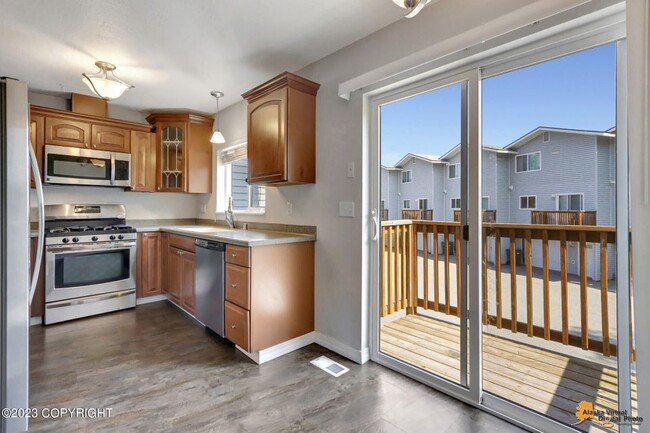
pixel 382 205
pixel 529 162
pixel 233 171
pixel 406 204
pixel 527 202
pixel 454 171
pixel 570 202
pixel 407 176
pixel 485 203
pixel 455 203
pixel 546 137
pixel 423 203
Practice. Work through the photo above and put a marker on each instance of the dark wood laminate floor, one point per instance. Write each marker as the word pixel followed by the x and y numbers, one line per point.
pixel 160 371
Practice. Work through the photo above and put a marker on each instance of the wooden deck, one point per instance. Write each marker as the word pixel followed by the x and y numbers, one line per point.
pixel 537 379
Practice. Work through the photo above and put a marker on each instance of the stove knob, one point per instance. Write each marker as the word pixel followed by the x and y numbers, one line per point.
pixel 66 240
pixel 120 237
pixel 75 239
pixel 112 237
pixel 94 238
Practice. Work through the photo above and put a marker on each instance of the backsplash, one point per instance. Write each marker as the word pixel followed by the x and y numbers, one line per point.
pixel 139 205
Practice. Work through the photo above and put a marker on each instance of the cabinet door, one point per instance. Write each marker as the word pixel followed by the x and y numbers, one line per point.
pixel 65 132
pixel 188 297
pixel 171 141
pixel 143 161
pixel 37 137
pixel 174 274
pixel 267 143
pixel 149 264
pixel 111 139
pixel 38 303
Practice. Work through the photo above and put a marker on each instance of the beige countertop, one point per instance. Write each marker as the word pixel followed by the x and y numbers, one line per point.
pixel 247 238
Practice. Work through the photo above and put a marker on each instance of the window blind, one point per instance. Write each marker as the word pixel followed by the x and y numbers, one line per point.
pixel 232 154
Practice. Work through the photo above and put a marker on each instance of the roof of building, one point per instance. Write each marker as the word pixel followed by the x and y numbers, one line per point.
pixel 454 150
pixel 541 129
pixel 428 158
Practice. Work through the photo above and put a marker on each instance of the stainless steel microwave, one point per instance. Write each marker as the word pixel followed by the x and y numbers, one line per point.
pixel 72 166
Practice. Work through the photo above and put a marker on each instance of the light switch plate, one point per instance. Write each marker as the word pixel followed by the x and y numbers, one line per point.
pixel 346 209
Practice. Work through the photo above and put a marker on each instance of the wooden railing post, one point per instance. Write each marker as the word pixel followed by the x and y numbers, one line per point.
pixel 413 269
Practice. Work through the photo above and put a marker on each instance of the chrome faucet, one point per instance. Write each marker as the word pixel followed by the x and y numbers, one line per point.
pixel 230 218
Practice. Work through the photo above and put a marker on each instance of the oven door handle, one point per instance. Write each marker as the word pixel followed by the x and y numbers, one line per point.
pixel 91 299
pixel 112 168
pixel 80 249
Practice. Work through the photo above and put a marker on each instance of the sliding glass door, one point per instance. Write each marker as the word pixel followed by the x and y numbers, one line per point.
pixel 502 238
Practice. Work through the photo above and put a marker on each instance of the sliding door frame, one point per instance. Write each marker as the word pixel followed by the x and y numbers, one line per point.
pixel 473 72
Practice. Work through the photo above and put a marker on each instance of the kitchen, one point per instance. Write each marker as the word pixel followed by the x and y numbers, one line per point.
pixel 171 344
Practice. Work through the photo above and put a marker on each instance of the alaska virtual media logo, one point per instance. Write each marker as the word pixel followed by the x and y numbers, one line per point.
pixel 607 418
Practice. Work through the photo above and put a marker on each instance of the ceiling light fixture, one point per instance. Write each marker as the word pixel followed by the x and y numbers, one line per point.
pixel 104 86
pixel 217 136
pixel 413 7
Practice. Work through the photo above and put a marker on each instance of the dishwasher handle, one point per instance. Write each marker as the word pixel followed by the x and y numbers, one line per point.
pixel 210 245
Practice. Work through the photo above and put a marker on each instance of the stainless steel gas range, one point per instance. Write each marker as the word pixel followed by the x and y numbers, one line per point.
pixel 90 256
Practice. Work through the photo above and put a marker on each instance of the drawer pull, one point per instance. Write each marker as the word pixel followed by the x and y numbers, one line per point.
pixel 233 255
pixel 232 326
pixel 234 286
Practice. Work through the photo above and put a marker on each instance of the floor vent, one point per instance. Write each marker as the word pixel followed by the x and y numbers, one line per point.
pixel 326 364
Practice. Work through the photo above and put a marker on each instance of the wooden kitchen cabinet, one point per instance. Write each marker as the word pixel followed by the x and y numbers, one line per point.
pixel 282 131
pixel 149 264
pixel 38 303
pixel 37 138
pixel 67 132
pixel 143 161
pixel 180 271
pixel 183 152
pixel 111 138
pixel 269 294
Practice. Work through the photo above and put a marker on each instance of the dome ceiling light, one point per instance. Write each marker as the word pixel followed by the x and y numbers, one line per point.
pixel 413 7
pixel 105 86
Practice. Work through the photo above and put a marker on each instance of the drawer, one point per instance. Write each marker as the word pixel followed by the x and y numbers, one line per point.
pixel 182 242
pixel 238 285
pixel 237 325
pixel 238 255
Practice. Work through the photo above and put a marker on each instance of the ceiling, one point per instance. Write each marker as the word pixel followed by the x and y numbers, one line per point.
pixel 174 52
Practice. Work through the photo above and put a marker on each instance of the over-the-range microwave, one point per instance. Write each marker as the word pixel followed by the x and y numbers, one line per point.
pixel 73 166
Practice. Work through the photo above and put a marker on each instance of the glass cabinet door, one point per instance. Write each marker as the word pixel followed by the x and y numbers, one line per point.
pixel 172 143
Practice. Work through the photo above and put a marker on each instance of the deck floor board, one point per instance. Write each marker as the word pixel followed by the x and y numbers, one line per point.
pixel 544 381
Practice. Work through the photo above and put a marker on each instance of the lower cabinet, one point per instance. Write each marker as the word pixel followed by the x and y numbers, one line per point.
pixel 269 294
pixel 181 266
pixel 149 264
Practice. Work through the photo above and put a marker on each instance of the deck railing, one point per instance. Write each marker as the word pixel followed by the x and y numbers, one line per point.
pixel 403 276
pixel 489 215
pixel 417 214
pixel 563 217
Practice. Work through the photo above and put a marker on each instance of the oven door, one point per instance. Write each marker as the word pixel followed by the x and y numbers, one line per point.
pixel 74 271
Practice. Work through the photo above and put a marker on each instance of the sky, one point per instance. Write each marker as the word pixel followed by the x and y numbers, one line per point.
pixel 576 91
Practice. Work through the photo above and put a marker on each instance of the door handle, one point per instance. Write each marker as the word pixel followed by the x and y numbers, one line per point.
pixel 375 221
pixel 41 221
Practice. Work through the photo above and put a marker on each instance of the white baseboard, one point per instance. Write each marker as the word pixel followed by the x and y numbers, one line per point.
pixel 36 320
pixel 150 299
pixel 278 350
pixel 355 355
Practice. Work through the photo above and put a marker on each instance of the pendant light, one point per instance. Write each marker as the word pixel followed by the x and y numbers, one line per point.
pixel 217 136
pixel 104 86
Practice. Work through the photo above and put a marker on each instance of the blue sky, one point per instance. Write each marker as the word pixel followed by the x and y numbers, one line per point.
pixel 576 91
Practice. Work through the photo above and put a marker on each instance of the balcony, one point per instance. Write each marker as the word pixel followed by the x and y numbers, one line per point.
pixel 563 217
pixel 549 329
pixel 417 214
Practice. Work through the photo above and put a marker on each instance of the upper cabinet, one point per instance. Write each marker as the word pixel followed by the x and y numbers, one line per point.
pixel 282 131
pixel 184 152
pixel 67 132
pixel 111 138
pixel 143 161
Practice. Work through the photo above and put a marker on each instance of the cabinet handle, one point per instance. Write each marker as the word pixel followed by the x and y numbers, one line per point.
pixel 233 255
pixel 232 326
pixel 86 145
pixel 234 286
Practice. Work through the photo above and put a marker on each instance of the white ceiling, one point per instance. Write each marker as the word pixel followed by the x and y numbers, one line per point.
pixel 176 52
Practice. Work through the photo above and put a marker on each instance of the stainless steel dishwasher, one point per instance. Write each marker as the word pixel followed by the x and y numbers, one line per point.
pixel 210 275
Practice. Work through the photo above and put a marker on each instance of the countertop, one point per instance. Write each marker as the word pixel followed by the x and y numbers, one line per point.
pixel 247 238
